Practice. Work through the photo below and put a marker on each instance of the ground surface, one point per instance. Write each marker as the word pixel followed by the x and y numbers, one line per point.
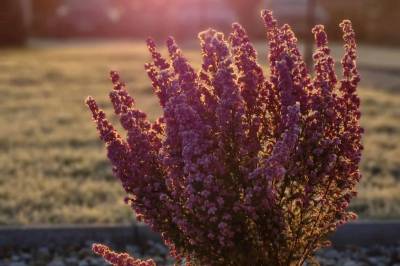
pixel 83 256
pixel 53 168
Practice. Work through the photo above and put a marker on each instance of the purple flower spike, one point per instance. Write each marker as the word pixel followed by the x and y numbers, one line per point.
pixel 242 168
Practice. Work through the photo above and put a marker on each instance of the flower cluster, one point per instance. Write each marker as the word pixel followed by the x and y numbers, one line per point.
pixel 119 259
pixel 241 169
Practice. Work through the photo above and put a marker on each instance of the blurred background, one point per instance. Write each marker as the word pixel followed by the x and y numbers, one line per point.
pixel 20 19
pixel 53 168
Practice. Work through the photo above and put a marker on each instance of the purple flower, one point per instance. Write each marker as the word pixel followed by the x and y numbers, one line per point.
pixel 242 168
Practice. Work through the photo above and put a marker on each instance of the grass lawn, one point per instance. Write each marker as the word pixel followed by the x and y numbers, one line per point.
pixel 53 168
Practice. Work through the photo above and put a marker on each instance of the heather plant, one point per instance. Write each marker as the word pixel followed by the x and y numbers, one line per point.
pixel 241 169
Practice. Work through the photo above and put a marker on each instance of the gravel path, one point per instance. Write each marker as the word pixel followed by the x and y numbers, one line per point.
pixel 78 255
pixel 361 256
pixel 83 256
